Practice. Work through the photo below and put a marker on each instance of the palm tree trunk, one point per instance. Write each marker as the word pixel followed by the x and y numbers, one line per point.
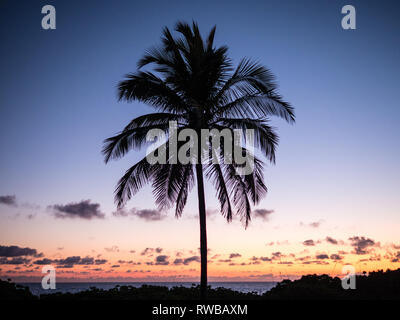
pixel 203 230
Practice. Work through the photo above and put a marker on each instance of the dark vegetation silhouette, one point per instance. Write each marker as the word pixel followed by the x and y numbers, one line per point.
pixel 12 291
pixel 194 83
pixel 378 285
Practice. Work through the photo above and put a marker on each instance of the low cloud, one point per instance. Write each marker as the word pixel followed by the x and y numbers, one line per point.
pixel 71 261
pixel 335 256
pixel 186 261
pixel 148 251
pixel 331 240
pixel 43 261
pixel 149 214
pixel 100 261
pixel 262 213
pixel 286 262
pixel 315 224
pixel 15 251
pixel 278 243
pixel 320 262
pixel 162 260
pixel 8 200
pixel 274 256
pixel 309 242
pixel 83 210
pixel 396 257
pixel 145 214
pixel 112 249
pixel 14 261
pixel 257 259
pixel 361 245
pixel 234 255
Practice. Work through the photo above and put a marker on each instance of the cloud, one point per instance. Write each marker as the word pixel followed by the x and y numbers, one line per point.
pixel 149 214
pixel 234 255
pixel 178 261
pixel 100 261
pixel 315 224
pixel 336 256
pixel 265 259
pixel 191 259
pixel 112 249
pixel 14 261
pixel 396 257
pixel 331 240
pixel 145 214
pixel 125 262
pixel 121 213
pixel 285 262
pixel 8 200
pixel 186 261
pixel 43 261
pixel 322 256
pixel 321 262
pixel 15 251
pixel 151 250
pixel 303 258
pixel 225 260
pixel 146 251
pixel 87 261
pixel 162 260
pixel 71 261
pixel 278 243
pixel 262 213
pixel 277 255
pixel 309 242
pixel 361 244
pixel 83 209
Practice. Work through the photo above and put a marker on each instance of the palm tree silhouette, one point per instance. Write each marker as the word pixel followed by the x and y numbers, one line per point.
pixel 194 84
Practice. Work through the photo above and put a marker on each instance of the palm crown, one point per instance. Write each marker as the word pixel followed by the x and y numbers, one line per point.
pixel 193 84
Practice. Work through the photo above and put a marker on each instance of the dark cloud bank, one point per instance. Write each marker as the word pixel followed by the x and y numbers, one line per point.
pixel 83 209
pixel 8 200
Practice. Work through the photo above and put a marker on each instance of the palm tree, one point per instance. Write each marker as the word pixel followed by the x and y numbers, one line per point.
pixel 194 84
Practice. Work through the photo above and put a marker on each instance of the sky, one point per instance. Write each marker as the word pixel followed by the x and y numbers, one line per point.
pixel 333 192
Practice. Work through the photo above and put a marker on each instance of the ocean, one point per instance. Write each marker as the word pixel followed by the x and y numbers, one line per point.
pixel 257 287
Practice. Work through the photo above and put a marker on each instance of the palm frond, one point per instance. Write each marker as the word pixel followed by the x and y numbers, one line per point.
pixel 186 186
pixel 117 146
pixel 147 87
pixel 132 181
pixel 215 174
pixel 252 86
pixel 265 137
pixel 257 105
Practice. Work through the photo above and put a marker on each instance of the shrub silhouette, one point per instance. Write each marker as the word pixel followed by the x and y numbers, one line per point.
pixel 12 291
pixel 378 285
